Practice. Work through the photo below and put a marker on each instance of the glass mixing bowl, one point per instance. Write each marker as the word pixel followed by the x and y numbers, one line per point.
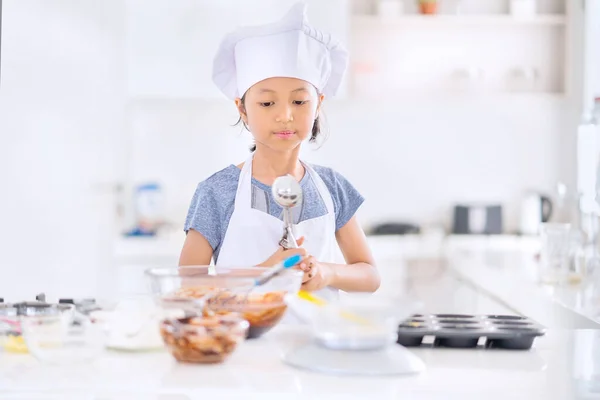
pixel 360 321
pixel 203 339
pixel 229 290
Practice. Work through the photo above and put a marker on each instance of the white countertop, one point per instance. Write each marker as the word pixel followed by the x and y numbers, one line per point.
pixel 560 364
pixel 256 371
pixel 510 277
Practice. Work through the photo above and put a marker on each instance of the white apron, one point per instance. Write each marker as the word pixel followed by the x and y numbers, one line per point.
pixel 253 235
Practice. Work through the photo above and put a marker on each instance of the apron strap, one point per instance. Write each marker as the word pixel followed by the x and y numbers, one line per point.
pixel 244 188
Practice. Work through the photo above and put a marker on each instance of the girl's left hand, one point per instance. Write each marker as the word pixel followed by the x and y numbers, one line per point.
pixel 316 275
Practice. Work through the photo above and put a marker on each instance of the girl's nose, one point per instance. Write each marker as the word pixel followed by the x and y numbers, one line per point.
pixel 285 115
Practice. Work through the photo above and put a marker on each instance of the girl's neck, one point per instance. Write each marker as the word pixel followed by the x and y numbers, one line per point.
pixel 267 164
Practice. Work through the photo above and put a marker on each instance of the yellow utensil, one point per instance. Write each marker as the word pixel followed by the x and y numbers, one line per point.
pixel 304 295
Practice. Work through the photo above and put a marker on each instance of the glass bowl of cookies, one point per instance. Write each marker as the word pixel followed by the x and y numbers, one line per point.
pixel 207 338
pixel 226 291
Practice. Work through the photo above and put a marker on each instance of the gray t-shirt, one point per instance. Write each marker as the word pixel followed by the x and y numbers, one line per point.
pixel 213 202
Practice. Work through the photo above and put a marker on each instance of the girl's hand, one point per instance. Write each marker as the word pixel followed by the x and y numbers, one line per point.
pixel 282 255
pixel 316 275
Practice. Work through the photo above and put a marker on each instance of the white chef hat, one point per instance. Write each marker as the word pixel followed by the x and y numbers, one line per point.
pixel 287 48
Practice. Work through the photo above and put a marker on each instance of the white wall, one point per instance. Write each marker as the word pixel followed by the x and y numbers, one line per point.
pixel 61 114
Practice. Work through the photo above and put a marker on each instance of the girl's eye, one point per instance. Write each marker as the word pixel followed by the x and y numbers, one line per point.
pixel 266 104
pixel 300 102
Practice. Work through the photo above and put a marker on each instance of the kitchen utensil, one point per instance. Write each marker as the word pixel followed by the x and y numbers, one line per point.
pixel 271 272
pixel 465 331
pixel 287 193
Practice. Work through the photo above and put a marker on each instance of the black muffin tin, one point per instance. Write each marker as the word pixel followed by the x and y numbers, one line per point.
pixel 513 332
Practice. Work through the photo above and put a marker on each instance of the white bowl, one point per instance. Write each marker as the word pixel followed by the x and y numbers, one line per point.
pixel 132 324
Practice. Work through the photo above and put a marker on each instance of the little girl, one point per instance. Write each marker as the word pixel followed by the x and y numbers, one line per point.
pixel 278 75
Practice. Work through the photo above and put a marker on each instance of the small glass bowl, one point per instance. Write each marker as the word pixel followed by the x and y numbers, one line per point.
pixel 206 339
pixel 11 315
pixel 55 339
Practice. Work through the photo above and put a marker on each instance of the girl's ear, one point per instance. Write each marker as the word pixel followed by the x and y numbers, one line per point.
pixel 239 104
pixel 320 102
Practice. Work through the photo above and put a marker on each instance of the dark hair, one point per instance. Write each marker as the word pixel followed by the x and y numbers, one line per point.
pixel 316 129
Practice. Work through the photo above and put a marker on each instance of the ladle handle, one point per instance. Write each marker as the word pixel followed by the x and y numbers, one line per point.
pixel 288 241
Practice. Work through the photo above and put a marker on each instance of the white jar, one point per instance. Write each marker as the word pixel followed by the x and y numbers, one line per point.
pixel 390 9
pixel 523 8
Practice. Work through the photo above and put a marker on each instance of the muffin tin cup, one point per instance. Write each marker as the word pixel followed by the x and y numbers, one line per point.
pixel 501 324
pixel 464 322
pixel 453 316
pixel 505 318
pixel 460 327
pixel 456 342
pixel 448 336
pixel 465 331
pixel 410 341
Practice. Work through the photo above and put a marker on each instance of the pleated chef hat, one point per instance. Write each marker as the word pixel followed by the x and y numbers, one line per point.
pixel 287 48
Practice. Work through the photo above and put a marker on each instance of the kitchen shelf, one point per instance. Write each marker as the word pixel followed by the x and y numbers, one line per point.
pixel 374 22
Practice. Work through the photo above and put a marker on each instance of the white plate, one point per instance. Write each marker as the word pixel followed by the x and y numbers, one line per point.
pixel 392 360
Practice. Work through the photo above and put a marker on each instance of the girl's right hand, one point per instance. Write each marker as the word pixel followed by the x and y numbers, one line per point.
pixel 280 255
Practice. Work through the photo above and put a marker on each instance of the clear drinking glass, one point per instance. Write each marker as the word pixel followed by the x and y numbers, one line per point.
pixel 555 253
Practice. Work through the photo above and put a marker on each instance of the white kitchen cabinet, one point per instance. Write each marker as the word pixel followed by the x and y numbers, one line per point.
pixel 170 45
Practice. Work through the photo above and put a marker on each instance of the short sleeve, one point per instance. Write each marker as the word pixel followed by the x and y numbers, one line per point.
pixel 203 215
pixel 346 198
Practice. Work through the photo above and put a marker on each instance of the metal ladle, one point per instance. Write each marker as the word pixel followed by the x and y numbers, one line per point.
pixel 287 193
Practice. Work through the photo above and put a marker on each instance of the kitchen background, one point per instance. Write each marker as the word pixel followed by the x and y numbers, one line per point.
pixel 476 106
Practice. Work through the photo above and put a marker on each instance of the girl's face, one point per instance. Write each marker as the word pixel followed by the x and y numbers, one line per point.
pixel 280 112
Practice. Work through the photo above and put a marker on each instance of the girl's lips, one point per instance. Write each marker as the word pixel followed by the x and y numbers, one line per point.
pixel 284 134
